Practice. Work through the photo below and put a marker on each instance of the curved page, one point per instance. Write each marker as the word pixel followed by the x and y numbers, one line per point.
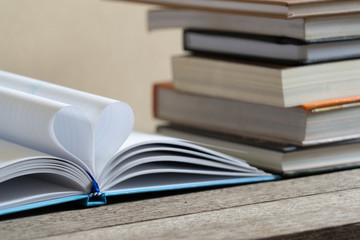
pixel 27 190
pixel 28 176
pixel 111 121
pixel 48 126
pixel 147 154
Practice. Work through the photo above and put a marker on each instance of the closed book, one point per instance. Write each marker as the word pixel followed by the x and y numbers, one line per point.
pixel 265 83
pixel 273 49
pixel 287 9
pixel 301 126
pixel 308 28
pixel 285 159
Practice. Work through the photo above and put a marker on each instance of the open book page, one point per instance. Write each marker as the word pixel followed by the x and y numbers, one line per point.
pixel 31 189
pixel 29 176
pixel 148 154
pixel 16 161
pixel 110 121
pixel 142 139
pixel 46 126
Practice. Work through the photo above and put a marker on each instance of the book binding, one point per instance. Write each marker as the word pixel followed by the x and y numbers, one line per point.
pixel 95 197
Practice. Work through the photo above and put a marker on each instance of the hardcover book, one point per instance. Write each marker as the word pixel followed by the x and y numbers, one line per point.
pixel 59 145
pixel 309 28
pixel 287 9
pixel 288 51
pixel 266 83
pixel 311 124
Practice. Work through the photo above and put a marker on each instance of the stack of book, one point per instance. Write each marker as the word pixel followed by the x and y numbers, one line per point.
pixel 275 82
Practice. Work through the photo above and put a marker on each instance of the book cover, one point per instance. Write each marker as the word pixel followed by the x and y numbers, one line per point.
pixel 309 28
pixel 287 9
pixel 272 49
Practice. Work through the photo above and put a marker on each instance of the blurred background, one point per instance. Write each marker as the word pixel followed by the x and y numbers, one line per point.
pixel 98 46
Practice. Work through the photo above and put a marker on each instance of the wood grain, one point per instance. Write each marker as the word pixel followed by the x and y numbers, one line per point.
pixel 280 208
pixel 250 221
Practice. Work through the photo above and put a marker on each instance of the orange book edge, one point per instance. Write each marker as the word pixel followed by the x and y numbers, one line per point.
pixel 332 104
pixel 156 86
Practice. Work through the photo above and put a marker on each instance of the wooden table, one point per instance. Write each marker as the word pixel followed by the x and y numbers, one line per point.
pixel 321 206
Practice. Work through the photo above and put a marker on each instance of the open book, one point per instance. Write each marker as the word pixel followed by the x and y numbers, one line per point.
pixel 59 145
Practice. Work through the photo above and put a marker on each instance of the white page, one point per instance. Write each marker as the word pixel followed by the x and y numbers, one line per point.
pixel 190 173
pixel 111 121
pixel 139 139
pixel 61 178
pixel 16 160
pixel 140 147
pixel 34 123
pixel 56 167
pixel 33 190
pixel 161 148
pixel 153 157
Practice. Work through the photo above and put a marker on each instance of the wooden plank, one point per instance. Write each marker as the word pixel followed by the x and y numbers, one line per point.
pixel 132 209
pixel 263 220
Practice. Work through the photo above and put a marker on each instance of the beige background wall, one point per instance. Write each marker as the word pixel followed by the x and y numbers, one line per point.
pixel 98 46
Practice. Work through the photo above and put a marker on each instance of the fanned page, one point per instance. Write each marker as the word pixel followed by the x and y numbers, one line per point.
pixel 148 162
pixel 30 178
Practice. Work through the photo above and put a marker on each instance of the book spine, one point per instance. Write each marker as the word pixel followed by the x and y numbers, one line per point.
pixel 95 197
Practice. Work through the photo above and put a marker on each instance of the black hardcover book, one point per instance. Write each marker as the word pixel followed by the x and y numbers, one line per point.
pixel 284 50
